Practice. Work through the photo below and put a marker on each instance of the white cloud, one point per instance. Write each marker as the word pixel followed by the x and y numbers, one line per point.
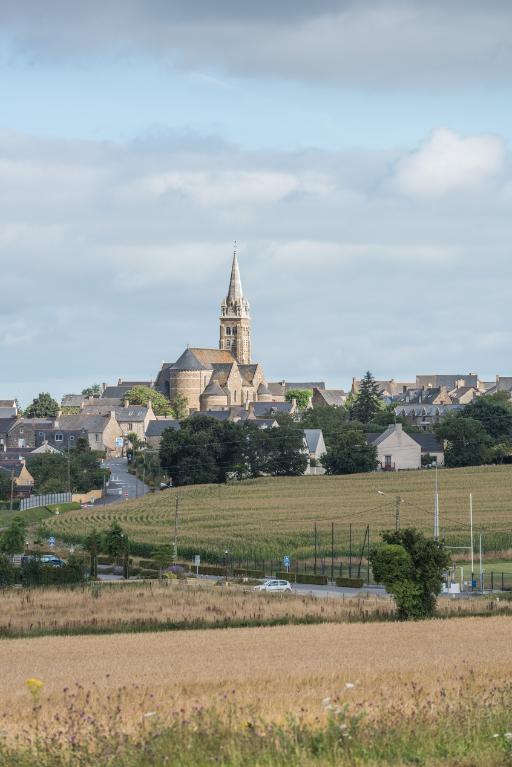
pixel 448 163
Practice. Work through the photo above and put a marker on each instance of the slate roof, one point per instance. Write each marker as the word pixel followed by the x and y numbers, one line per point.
pixel 428 442
pixel 263 389
pixel 116 392
pixel 89 423
pixel 333 397
pixel 426 410
pixel 213 390
pixel 7 403
pixel 248 372
pixel 157 428
pixel 263 409
pixel 72 400
pixel 189 361
pixel 6 423
pixel 313 437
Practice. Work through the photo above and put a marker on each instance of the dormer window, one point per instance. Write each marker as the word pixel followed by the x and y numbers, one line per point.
pixel 59 437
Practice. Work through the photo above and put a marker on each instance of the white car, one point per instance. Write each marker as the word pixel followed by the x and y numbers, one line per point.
pixel 274 585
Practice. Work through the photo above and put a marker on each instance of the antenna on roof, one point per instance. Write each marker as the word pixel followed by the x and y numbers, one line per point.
pixel 234 248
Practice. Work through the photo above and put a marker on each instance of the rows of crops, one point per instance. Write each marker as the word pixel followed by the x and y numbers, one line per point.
pixel 267 517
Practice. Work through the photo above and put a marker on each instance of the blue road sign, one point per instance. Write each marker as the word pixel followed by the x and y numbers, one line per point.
pixel 286 561
pixel 51 541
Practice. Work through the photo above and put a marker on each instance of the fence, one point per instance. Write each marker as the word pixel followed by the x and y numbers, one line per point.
pixel 35 501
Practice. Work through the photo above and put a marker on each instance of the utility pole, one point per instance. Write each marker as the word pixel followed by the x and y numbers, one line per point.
pixel 332 551
pixel 436 510
pixel 315 548
pixel 350 550
pixel 12 489
pixel 471 536
pixel 176 518
pixel 481 568
pixel 398 501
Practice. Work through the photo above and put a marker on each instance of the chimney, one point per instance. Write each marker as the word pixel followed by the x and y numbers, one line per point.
pixel 103 386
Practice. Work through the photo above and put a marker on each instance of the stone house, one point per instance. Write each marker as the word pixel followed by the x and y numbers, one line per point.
pixel 156 428
pixel 23 481
pixel 328 398
pixel 131 418
pixel 396 450
pixel 425 416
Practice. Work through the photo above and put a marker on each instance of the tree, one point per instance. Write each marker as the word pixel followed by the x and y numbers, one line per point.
pixel 494 414
pixel 5 484
pixel 134 440
pixel 50 470
pixel 117 545
pixel 141 395
pixel 367 402
pixel 13 539
pixel 467 441
pixel 6 572
pixel 94 390
pixel 301 396
pixel 332 420
pixel 163 557
pixel 92 544
pixel 180 406
pixel 350 453
pixel 43 406
pixel 411 567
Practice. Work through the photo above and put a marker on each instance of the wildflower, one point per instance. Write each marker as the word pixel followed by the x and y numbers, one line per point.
pixel 507 735
pixel 149 714
pixel 349 685
pixel 326 702
pixel 34 684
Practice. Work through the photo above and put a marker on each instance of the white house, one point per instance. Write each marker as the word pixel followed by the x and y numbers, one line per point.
pixel 396 449
pixel 314 446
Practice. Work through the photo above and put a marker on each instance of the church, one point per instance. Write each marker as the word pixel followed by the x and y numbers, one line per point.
pixel 223 378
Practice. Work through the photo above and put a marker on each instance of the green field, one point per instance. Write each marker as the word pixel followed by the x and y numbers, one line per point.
pixel 269 517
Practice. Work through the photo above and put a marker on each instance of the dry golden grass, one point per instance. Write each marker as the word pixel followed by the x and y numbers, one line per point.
pixel 274 670
pixel 269 517
pixel 119 607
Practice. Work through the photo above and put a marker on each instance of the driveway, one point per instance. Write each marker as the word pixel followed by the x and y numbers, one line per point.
pixel 122 486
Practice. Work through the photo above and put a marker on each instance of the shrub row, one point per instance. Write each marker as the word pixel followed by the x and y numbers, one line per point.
pixel 314 580
pixel 354 583
pixel 248 573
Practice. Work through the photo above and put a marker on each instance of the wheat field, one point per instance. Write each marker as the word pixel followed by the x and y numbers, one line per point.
pixel 271 671
pixel 269 517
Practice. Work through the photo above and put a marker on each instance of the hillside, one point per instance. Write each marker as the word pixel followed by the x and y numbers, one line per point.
pixel 269 517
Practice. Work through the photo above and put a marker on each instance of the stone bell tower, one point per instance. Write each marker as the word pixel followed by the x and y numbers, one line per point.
pixel 235 319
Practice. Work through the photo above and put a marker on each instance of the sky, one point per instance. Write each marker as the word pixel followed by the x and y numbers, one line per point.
pixel 358 151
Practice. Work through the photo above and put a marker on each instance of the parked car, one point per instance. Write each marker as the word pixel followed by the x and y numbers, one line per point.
pixel 274 585
pixel 49 560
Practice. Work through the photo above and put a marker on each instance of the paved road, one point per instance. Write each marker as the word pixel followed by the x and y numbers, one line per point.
pixel 122 485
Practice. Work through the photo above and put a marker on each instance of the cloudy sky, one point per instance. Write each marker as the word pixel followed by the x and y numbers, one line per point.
pixel 357 150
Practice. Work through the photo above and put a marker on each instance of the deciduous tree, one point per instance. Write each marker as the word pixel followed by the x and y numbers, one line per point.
pixel 43 406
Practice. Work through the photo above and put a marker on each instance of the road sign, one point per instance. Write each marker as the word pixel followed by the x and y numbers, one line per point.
pixel 197 562
pixel 286 562
pixel 51 541
pixel 119 442
pixel 125 493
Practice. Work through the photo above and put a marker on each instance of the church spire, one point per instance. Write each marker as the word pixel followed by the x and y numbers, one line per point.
pixel 235 293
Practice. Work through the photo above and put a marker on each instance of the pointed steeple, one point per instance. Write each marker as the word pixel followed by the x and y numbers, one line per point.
pixel 235 292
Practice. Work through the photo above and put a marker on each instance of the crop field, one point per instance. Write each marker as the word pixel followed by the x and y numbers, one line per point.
pixel 270 517
pixel 448 679
pixel 150 606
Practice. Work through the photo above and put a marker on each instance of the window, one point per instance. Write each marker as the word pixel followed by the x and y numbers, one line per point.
pixel 130 427
pixel 228 331
pixel 71 437
pixel 21 442
pixel 387 461
pixel 234 331
pixel 97 437
pixel 59 437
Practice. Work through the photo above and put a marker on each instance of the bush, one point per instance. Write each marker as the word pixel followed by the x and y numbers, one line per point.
pixel 314 580
pixel 33 573
pixel 353 583
pixel 146 572
pixel 212 570
pixel 148 563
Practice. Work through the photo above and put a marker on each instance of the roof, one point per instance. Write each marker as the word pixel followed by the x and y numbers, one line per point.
pixel 263 389
pixel 6 423
pixel 72 400
pixel 376 439
pixel 426 410
pixel 235 291
pixel 213 390
pixel 157 428
pixel 82 422
pixel 7 403
pixel 115 391
pixel 313 437
pixel 264 409
pixel 248 372
pixel 333 397
pixel 189 361
pixel 5 412
pixel 210 356
pixel 130 413
pixel 428 442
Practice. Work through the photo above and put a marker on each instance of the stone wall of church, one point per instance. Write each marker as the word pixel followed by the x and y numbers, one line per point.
pixel 189 383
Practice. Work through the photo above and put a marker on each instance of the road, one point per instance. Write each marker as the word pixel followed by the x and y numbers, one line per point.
pixel 122 485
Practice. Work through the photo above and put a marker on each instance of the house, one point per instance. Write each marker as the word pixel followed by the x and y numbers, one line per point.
pixel 328 397
pixel 5 426
pixel 464 395
pixel 269 409
pixel 425 416
pixel 450 381
pixel 315 446
pixel 279 389
pixel 119 390
pixel 8 408
pixel 23 432
pixel 131 418
pixel 430 446
pixel 396 450
pixel 156 428
pixel 23 481
pixel 390 388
